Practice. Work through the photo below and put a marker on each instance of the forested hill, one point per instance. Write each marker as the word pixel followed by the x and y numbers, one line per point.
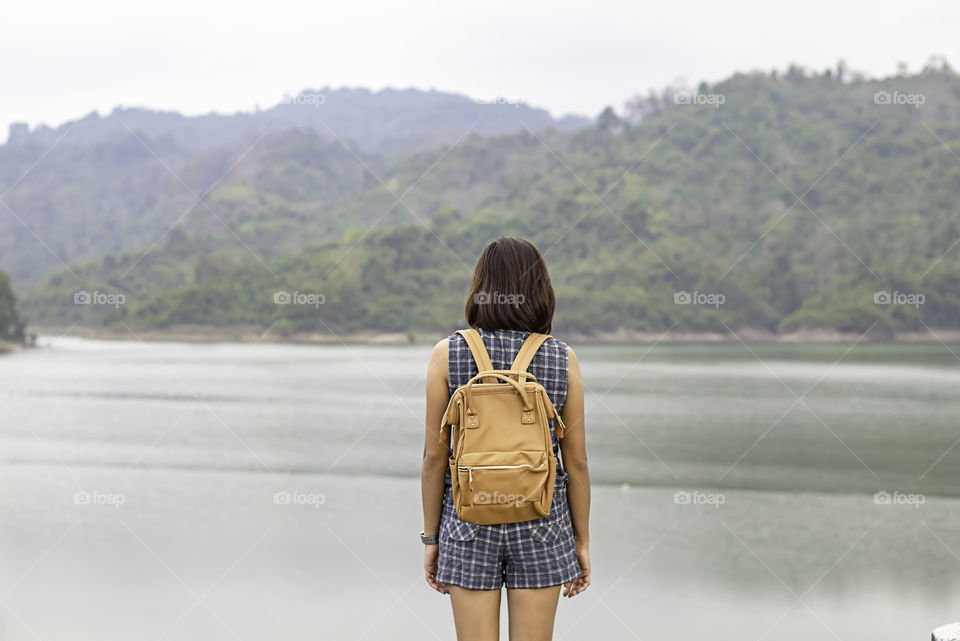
pixel 777 201
pixel 107 184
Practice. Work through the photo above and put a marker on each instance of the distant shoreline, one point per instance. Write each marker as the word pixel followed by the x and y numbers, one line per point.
pixel 251 334
pixel 6 347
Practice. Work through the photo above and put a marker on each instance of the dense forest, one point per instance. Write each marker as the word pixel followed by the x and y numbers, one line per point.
pixel 103 185
pixel 778 201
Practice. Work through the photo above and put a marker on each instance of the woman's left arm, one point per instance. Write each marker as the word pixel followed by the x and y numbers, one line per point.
pixel 436 454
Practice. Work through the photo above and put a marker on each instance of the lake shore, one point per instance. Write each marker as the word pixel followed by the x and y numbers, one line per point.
pixel 6 347
pixel 253 334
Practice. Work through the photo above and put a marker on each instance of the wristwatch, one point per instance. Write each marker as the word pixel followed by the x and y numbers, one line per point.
pixel 428 540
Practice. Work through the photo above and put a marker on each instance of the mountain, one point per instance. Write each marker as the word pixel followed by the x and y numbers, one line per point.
pixel 386 121
pixel 99 186
pixel 773 201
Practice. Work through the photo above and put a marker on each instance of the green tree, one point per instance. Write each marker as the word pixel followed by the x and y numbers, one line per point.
pixel 11 326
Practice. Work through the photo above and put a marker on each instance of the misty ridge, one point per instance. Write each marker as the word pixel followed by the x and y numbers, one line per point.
pixel 385 121
pixel 783 202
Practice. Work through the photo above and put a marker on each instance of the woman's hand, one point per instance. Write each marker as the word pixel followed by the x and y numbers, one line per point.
pixel 578 585
pixel 430 553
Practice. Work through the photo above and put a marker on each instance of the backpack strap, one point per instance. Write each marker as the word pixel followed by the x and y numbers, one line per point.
pixel 479 351
pixel 520 364
pixel 528 350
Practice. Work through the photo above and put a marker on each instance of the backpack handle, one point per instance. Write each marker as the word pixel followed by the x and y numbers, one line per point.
pixel 447 420
pixel 496 374
pixel 521 375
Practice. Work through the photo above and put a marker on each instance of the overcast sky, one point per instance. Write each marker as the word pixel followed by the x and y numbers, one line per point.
pixel 62 60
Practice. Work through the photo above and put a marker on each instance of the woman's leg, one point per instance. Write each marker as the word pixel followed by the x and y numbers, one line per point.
pixel 476 613
pixel 532 613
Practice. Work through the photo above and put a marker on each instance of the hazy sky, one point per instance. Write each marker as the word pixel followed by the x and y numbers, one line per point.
pixel 62 60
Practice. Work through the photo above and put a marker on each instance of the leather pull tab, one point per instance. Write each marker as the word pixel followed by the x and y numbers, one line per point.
pixel 559 428
pixel 452 414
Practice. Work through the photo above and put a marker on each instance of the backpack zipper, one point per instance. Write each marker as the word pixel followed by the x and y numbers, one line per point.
pixel 469 470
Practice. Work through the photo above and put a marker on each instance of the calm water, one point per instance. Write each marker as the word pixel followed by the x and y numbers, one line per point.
pixel 144 493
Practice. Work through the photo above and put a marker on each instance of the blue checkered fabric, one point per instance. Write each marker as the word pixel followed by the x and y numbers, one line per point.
pixel 527 555
pixel 530 554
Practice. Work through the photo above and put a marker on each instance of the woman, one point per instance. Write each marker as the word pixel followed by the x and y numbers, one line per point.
pixel 511 296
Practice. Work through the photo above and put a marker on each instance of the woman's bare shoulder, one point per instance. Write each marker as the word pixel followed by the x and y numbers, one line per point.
pixel 442 347
pixel 438 360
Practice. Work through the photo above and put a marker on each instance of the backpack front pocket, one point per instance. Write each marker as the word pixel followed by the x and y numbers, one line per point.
pixel 503 479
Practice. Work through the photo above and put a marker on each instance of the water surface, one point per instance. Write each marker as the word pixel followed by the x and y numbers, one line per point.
pixel 139 492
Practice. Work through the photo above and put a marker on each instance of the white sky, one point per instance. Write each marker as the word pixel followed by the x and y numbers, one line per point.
pixel 62 60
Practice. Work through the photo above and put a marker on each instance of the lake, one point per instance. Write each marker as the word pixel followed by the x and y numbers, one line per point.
pixel 270 491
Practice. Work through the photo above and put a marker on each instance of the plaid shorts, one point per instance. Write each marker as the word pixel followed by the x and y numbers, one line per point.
pixel 531 554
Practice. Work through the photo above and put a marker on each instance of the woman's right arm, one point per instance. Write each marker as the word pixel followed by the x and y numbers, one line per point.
pixel 573 447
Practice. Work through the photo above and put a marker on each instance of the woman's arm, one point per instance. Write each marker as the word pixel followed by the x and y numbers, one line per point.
pixel 436 452
pixel 435 455
pixel 573 447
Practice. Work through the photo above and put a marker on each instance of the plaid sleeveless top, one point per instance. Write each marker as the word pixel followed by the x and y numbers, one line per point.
pixel 549 365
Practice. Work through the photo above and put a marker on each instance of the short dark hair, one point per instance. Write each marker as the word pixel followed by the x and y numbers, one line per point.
pixel 511 288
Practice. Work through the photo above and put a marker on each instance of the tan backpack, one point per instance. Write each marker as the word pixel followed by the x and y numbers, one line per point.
pixel 503 467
